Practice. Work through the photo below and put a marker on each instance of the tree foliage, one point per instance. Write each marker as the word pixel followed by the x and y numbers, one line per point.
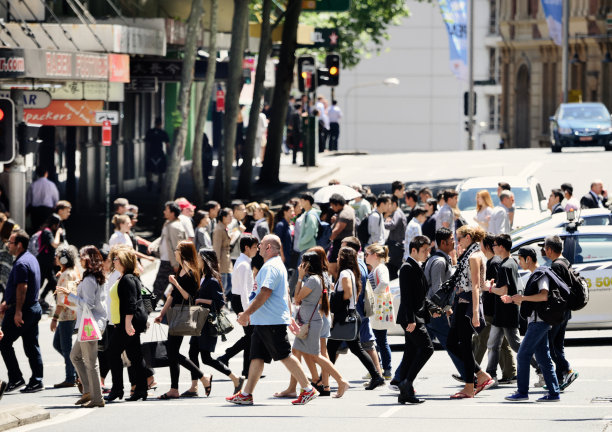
pixel 362 30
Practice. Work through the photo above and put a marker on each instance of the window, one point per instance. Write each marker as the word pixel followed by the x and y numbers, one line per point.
pixel 593 248
pixel 467 198
pixel 494 17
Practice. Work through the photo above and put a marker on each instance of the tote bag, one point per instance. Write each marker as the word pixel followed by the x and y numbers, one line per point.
pixel 384 313
pixel 88 327
pixel 186 320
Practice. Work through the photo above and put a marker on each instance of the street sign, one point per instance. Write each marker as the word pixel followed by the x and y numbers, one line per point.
pixel 32 99
pixel 326 5
pixel 111 116
pixel 325 38
pixel 107 130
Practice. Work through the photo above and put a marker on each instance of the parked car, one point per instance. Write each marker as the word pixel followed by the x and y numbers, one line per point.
pixel 529 200
pixel 581 125
pixel 598 216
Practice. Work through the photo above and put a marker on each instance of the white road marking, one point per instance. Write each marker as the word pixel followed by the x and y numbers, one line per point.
pixel 59 419
pixel 391 411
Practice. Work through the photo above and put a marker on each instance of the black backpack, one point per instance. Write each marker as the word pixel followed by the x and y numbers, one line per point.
pixel 553 310
pixel 579 291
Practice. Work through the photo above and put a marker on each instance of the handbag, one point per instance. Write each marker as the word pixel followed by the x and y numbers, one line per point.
pixel 155 352
pixel 88 327
pixel 443 298
pixel 186 320
pixel 218 323
pixel 348 328
pixel 369 300
pixel 302 332
pixel 148 299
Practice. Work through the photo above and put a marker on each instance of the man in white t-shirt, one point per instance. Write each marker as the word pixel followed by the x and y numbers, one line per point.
pixel 186 216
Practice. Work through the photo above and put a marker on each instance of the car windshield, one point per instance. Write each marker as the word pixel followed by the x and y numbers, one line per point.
pixel 584 113
pixel 467 198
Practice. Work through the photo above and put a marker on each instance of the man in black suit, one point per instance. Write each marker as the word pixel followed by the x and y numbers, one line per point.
pixel 596 198
pixel 412 315
pixel 554 201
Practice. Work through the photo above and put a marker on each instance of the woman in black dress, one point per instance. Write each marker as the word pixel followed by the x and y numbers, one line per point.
pixel 210 296
pixel 184 289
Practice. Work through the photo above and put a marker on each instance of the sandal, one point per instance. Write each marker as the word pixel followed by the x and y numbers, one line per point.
pixel 325 391
pixel 166 396
pixel 208 388
pixel 239 386
pixel 461 395
pixel 189 394
pixel 484 386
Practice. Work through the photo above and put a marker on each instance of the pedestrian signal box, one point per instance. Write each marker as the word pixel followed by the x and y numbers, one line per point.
pixel 7 130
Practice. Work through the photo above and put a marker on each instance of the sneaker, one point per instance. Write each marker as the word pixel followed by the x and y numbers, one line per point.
pixel 240 399
pixel 366 377
pixel 65 384
pixel 541 382
pixel 393 386
pixel 305 397
pixel 549 398
pixel 12 386
pixel 508 380
pixel 33 387
pixel 517 397
pixel 568 378
pixel 387 375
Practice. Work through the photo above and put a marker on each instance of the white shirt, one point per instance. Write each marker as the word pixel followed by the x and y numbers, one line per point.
pixel 334 113
pixel 119 238
pixel 412 230
pixel 499 222
pixel 323 112
pixel 347 274
pixel 187 225
pixel 242 279
pixel 262 124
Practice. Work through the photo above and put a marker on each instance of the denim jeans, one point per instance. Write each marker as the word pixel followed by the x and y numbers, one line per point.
pixel 536 342
pixel 28 332
pixel 62 342
pixel 383 348
pixel 226 279
pixel 556 341
pixel 496 337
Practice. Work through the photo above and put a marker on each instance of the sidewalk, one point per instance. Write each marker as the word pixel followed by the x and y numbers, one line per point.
pixel 12 416
pixel 88 227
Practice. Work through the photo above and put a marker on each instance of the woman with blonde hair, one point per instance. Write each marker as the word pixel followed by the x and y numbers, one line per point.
pixel 264 220
pixel 185 287
pixel 467 315
pixel 484 208
pixel 376 256
pixel 128 324
pixel 122 224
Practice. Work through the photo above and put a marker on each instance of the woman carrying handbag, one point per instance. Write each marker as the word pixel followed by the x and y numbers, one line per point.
pixel 89 298
pixel 209 296
pixel 384 315
pixel 184 289
pixel 127 319
pixel 343 302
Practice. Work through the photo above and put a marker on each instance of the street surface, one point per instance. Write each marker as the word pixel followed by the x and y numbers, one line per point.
pixel 577 166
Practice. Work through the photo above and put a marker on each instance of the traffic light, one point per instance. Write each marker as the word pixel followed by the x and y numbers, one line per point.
pixel 332 63
pixel 7 130
pixel 306 74
pixel 466 102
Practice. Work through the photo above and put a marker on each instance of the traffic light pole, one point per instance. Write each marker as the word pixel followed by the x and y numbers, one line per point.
pixel 471 77
pixel 17 172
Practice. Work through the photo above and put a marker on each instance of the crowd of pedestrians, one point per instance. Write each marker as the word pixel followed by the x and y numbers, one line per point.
pixel 317 273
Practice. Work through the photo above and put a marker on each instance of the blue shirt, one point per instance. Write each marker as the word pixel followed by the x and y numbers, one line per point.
pixel 283 231
pixel 275 311
pixel 25 270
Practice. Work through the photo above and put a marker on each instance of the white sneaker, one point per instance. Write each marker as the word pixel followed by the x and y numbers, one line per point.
pixel 541 382
pixel 393 387
pixel 366 377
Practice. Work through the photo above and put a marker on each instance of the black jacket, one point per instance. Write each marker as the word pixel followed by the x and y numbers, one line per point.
pixel 413 292
pixel 128 291
pixel 588 201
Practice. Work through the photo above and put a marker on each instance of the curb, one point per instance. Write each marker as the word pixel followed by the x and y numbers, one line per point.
pixel 12 416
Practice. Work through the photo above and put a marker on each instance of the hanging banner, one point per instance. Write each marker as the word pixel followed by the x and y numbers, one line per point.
pixel 553 9
pixel 65 113
pixel 455 17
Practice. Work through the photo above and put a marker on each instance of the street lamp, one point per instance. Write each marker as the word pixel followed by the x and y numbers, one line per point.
pixel 390 81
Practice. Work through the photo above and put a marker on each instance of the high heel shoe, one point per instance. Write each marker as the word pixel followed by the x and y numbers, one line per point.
pixel 114 394
pixel 140 394
pixel 208 388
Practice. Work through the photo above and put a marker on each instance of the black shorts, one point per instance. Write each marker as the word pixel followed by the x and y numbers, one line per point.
pixel 270 342
pixel 332 256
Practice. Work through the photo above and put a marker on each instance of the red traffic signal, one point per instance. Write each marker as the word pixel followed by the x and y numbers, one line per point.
pixel 7 130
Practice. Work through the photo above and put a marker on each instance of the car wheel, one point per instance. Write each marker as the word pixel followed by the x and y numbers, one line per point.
pixel 557 148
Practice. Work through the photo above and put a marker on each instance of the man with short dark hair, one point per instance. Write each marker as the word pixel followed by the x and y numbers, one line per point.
pixel 308 223
pixel 343 225
pixel 243 284
pixel 157 144
pixel 414 228
pixel 446 217
pixel 397 189
pixel 412 316
pixel 428 228
pixel 41 198
pixel 569 203
pixel 396 224
pixel 411 200
pixel 376 220
pixel 22 312
pixel 63 209
pixel 553 247
pixel 554 201
pixel 172 233
pixel 212 207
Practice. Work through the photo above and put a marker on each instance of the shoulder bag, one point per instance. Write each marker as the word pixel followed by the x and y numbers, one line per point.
pixel 218 324
pixel 186 320
pixel 347 328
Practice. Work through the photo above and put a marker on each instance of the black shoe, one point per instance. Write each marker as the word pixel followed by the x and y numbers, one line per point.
pixel 375 382
pixel 409 399
pixel 3 386
pixel 33 387
pixel 457 377
pixel 12 386
pixel 114 394
pixel 137 395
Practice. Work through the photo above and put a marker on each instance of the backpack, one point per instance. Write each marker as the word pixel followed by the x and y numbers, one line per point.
pixel 553 310
pixel 579 291
pixel 35 246
pixel 363 232
pixel 323 233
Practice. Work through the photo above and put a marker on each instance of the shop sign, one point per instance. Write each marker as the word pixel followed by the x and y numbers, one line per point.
pixel 88 90
pixel 170 70
pixel 65 113
pixel 119 68
pixel 12 63
pixel 35 99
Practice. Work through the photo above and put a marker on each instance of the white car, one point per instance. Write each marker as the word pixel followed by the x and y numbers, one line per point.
pixel 529 200
pixel 599 217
